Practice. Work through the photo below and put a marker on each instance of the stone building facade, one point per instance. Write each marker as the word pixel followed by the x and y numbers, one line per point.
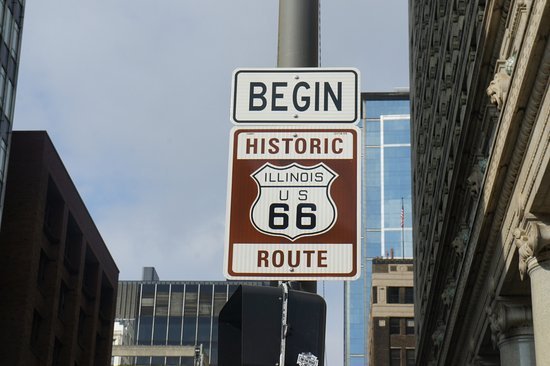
pixel 391 319
pixel 481 180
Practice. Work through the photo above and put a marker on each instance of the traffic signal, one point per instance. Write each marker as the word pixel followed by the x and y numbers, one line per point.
pixel 250 328
pixel 306 328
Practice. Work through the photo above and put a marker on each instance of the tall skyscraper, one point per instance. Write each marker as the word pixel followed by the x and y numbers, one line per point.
pixel 162 322
pixel 480 105
pixel 11 25
pixel 386 195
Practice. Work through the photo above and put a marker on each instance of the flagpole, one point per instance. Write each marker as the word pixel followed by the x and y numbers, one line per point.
pixel 402 229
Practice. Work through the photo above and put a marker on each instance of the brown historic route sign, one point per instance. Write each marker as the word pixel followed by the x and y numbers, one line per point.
pixel 293 203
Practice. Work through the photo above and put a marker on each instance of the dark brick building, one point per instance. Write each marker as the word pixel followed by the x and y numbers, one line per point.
pixel 391 320
pixel 58 281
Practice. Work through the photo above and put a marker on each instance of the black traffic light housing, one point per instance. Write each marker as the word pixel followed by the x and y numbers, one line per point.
pixel 250 326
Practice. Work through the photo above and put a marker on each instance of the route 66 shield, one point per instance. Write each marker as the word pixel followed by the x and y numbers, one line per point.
pixel 293 200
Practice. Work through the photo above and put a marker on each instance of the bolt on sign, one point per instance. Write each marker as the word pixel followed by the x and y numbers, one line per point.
pixel 293 203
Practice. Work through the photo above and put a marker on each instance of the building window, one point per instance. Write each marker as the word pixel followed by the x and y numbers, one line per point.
pixel 393 295
pixel 374 294
pixel 205 300
pixel 100 346
pixel 2 84
pixel 187 361
pixel 161 314
pixel 409 328
pixel 190 314
pixel 357 360
pixel 400 295
pixel 147 299
pixel 396 130
pixel 8 109
pixel 410 357
pixel 205 316
pixel 159 332
pixel 157 361
pixel 1 11
pixel 73 246
pixel 220 297
pixel 172 361
pixel 7 26
pixel 63 300
pixel 82 330
pixel 3 154
pixel 90 275
pixel 409 295
pixel 35 330
pixel 145 327
pixel 42 269
pixel 14 40
pixel 175 319
pixel 105 299
pixel 143 361
pixel 163 293
pixel 53 215
pixel 56 358
pixel 395 325
pixel 395 357
pixel 145 330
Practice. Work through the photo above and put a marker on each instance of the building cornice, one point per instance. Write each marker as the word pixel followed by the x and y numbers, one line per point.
pixel 515 129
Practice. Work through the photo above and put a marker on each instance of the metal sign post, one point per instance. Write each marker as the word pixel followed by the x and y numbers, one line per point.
pixel 293 193
pixel 299 47
pixel 284 322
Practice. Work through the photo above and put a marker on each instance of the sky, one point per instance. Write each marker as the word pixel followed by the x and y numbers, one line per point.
pixel 135 96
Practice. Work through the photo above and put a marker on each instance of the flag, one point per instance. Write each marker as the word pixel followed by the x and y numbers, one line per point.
pixel 402 214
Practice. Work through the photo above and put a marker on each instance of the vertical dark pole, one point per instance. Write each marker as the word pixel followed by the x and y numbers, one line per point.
pixel 298 33
pixel 299 47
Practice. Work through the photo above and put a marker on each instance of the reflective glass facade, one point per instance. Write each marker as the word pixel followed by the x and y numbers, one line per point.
pixel 162 313
pixel 386 206
pixel 11 24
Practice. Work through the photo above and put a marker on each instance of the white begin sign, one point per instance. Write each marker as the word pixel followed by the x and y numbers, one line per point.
pixel 295 95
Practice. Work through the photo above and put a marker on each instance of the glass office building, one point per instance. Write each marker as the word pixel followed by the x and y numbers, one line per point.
pixel 11 25
pixel 168 319
pixel 386 206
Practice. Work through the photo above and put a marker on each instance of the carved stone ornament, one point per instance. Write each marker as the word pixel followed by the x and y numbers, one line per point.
pixel 510 64
pixel 482 163
pixel 474 180
pixel 448 293
pixel 530 243
pixel 509 318
pixel 520 207
pixel 459 243
pixel 498 88
pixel 439 335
